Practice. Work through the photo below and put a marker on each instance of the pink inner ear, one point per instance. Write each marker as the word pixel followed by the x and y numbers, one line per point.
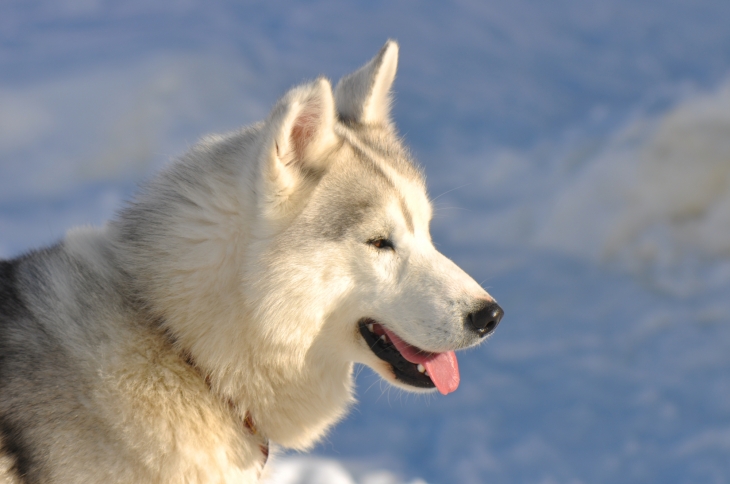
pixel 305 129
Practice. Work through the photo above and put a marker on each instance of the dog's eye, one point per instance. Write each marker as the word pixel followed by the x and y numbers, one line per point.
pixel 381 243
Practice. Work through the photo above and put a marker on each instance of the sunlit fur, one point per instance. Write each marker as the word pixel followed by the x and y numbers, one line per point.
pixel 245 263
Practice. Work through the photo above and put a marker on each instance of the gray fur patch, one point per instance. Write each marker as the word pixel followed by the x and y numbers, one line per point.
pixel 360 184
pixel 336 224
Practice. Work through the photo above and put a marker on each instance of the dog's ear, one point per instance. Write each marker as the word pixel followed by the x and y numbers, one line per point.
pixel 302 137
pixel 364 95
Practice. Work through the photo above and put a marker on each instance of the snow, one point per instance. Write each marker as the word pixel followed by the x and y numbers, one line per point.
pixel 660 188
pixel 307 470
pixel 578 155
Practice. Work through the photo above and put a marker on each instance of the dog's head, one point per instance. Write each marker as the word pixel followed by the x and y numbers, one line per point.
pixel 343 224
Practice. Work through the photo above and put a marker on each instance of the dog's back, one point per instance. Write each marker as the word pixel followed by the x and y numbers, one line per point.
pixel 38 375
pixel 14 317
pixel 51 328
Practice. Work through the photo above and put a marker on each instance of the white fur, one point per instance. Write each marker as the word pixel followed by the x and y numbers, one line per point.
pixel 364 95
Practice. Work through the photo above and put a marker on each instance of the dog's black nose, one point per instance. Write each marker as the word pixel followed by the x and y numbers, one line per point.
pixel 484 320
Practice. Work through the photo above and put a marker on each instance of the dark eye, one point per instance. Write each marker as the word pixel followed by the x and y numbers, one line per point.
pixel 381 243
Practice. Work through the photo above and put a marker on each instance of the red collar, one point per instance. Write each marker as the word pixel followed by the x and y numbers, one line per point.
pixel 248 422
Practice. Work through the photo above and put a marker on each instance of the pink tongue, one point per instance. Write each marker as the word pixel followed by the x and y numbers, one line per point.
pixel 441 367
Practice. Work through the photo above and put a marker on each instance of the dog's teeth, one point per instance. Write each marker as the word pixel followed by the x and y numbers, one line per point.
pixel 421 368
pixel 370 328
pixel 384 338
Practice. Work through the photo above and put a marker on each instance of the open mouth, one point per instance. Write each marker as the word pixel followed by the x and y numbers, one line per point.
pixel 411 365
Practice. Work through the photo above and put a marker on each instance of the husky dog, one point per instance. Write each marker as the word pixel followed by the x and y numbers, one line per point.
pixel 225 306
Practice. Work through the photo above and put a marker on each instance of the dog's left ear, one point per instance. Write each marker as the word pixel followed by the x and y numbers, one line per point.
pixel 364 95
pixel 302 137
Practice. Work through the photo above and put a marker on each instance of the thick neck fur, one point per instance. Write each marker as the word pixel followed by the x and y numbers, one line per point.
pixel 200 258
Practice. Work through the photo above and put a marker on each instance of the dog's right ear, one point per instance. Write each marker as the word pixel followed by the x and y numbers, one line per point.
pixel 364 95
pixel 301 138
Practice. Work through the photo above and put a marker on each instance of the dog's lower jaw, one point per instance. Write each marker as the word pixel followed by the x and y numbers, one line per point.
pixel 404 373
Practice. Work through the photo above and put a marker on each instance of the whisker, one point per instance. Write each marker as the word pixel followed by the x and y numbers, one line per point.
pixel 449 191
pixel 441 208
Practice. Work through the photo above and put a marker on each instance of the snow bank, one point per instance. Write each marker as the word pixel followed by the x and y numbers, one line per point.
pixel 314 470
pixel 651 197
pixel 659 191
pixel 655 199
